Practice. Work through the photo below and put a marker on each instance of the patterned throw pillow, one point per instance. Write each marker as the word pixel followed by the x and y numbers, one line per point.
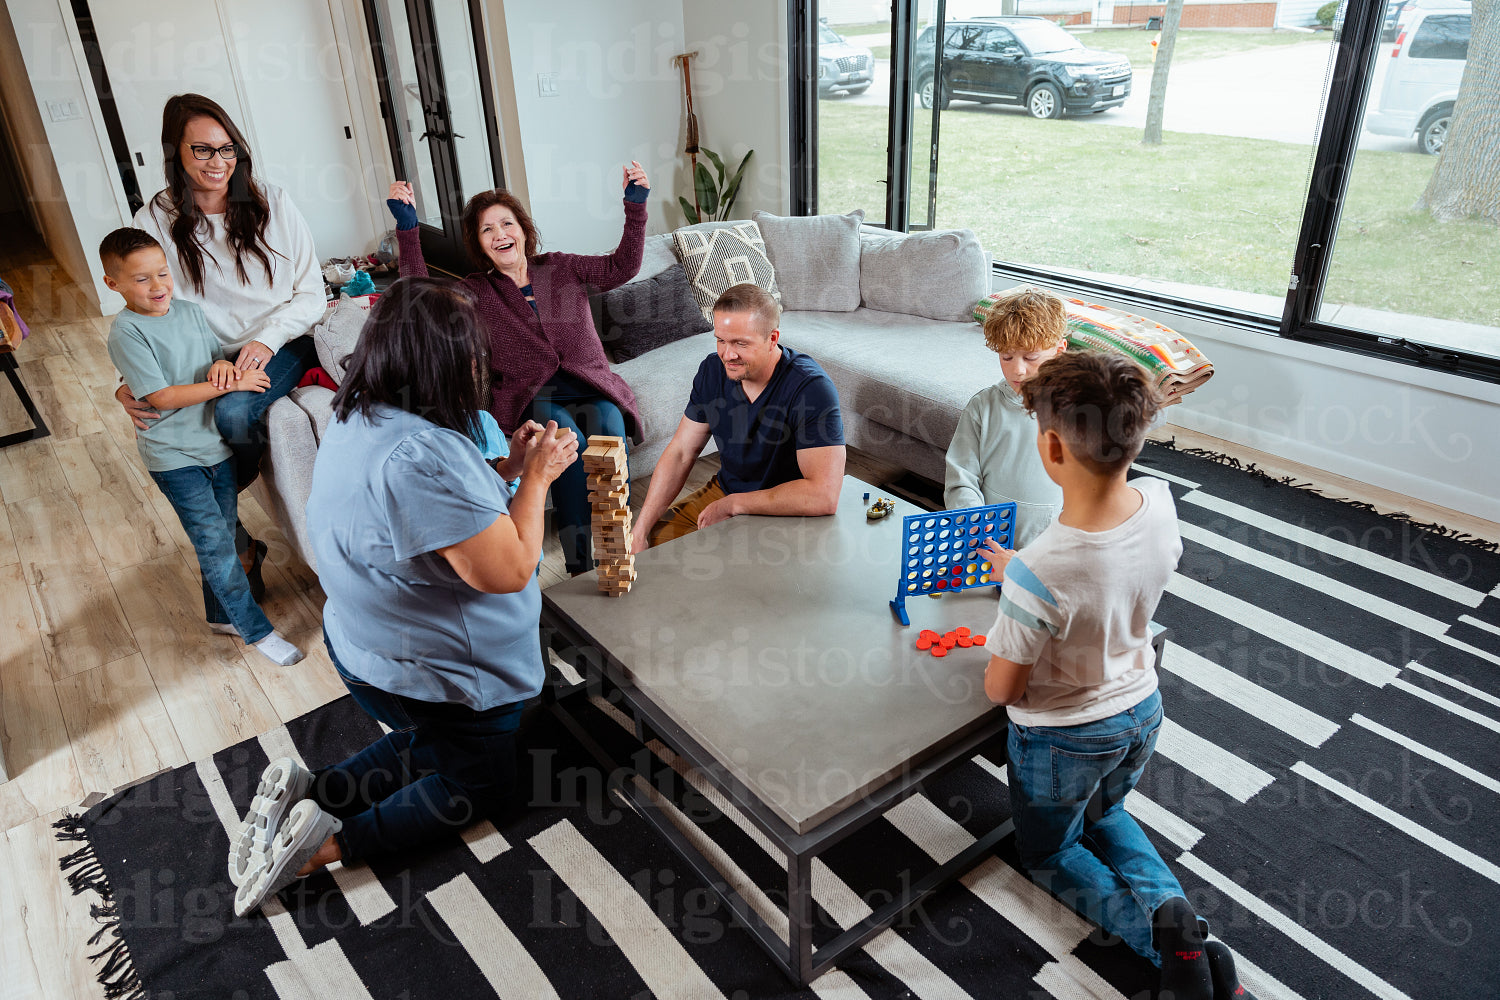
pixel 717 256
pixel 1169 359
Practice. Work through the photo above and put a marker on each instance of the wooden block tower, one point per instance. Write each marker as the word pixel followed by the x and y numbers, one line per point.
pixel 604 463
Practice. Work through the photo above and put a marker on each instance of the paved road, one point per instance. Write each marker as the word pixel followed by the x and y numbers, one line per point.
pixel 1274 92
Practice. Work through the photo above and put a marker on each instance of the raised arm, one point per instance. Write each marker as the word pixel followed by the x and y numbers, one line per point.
pixel 612 270
pixel 402 203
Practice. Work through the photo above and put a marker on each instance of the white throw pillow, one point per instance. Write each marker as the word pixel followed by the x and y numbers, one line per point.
pixel 816 258
pixel 719 255
pixel 337 333
pixel 939 275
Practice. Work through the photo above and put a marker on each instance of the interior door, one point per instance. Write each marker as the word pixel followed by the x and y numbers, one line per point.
pixel 439 113
pixel 293 112
pixel 147 63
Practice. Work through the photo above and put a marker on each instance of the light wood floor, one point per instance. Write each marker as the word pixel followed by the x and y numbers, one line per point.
pixel 107 672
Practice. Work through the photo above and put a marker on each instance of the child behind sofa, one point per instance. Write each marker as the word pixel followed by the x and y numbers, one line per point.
pixel 172 360
pixel 993 457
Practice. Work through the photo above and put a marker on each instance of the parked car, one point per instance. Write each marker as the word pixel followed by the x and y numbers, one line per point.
pixel 1395 13
pixel 1422 78
pixel 1028 61
pixel 842 66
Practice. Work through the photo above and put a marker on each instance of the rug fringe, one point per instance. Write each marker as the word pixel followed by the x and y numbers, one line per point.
pixel 85 874
pixel 1401 517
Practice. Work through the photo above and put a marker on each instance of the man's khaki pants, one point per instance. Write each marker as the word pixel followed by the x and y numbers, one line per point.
pixel 682 518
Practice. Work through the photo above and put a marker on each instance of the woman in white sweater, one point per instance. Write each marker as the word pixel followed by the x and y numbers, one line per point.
pixel 240 249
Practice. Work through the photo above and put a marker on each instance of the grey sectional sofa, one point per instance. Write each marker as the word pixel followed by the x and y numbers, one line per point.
pixel 903 375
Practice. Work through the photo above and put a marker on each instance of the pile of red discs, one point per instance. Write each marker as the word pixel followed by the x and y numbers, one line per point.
pixel 961 638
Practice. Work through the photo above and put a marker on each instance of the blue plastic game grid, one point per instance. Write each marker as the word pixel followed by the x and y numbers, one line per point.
pixel 942 551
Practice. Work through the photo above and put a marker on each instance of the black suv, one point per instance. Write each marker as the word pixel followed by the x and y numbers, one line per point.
pixel 1028 61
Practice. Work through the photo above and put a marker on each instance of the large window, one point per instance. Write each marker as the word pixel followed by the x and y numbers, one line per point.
pixel 1320 183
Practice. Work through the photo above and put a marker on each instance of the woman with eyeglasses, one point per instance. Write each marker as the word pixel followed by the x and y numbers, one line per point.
pixel 239 248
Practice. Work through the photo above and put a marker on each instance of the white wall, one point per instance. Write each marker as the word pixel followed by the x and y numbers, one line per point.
pixel 618 100
pixel 70 174
pixel 740 92
pixel 1423 434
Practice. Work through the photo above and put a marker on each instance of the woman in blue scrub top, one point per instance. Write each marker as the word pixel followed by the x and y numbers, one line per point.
pixel 429 564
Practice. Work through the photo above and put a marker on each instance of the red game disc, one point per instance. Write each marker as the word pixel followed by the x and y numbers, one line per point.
pixel 949 642
pixel 927 633
pixel 978 640
pixel 924 643
pixel 939 651
pixel 963 630
pixel 942 583
pixel 958 571
pixel 965 642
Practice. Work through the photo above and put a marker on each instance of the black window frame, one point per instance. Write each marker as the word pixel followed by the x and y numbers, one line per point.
pixel 1355 66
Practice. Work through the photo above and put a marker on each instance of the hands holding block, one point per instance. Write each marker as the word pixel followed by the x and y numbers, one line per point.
pixel 604 464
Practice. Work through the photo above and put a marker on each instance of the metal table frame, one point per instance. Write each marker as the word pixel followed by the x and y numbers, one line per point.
pixel 38 425
pixel 796 955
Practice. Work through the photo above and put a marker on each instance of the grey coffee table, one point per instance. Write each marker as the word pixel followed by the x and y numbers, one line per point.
pixel 764 652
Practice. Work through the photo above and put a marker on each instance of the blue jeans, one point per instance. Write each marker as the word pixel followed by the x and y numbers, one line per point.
pixel 205 500
pixel 241 416
pixel 582 410
pixel 1068 787
pixel 441 768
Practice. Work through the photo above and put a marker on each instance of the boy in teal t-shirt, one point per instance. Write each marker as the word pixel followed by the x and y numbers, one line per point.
pixel 172 360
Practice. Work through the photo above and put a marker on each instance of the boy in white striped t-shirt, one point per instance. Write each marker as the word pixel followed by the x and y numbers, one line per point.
pixel 1071 656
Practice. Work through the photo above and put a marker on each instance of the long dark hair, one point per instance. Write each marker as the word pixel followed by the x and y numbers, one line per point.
pixel 469 225
pixel 423 351
pixel 248 213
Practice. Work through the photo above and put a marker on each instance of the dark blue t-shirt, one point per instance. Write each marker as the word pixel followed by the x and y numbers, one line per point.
pixel 758 442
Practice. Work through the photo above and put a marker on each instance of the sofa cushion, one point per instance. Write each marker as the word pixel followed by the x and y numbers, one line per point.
pixel 662 382
pixel 718 255
pixel 648 313
pixel 900 371
pixel 337 333
pixel 816 259
pixel 656 256
pixel 938 275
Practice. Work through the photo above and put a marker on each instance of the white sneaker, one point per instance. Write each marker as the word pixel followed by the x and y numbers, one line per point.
pixel 278 650
pixel 305 829
pixel 282 785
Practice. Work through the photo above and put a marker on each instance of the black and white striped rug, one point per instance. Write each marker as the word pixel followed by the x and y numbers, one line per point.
pixel 1325 788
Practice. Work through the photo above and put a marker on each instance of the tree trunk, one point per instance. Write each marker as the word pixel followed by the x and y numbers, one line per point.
pixel 1157 107
pixel 1466 180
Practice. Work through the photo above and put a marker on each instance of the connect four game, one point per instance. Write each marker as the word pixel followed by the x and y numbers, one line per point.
pixel 944 551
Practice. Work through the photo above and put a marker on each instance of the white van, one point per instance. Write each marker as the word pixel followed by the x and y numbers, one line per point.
pixel 1426 66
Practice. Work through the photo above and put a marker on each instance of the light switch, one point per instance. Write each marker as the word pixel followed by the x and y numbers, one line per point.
pixel 546 85
pixel 65 110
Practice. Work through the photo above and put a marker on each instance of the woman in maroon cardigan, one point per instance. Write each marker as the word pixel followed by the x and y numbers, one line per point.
pixel 548 362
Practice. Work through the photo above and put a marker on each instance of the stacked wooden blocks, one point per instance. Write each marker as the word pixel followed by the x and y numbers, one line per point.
pixel 604 463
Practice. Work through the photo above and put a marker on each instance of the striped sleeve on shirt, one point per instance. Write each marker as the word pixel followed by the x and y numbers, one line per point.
pixel 1028 618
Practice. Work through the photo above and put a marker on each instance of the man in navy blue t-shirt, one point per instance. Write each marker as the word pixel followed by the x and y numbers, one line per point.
pixel 774 414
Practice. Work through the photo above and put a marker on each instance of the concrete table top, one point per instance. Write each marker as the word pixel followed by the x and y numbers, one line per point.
pixel 771 642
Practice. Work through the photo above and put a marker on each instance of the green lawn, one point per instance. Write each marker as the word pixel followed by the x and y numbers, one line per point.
pixel 1191 45
pixel 1204 209
pixel 862 28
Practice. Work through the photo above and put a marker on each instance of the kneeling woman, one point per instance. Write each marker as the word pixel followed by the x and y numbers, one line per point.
pixel 429 564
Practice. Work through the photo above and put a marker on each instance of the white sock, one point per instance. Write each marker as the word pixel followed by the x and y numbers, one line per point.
pixel 278 650
pixel 223 628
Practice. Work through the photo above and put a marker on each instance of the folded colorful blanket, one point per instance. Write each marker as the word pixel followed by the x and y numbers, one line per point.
pixel 1173 364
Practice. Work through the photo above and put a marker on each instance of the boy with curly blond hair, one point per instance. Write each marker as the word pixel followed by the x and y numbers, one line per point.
pixel 993 457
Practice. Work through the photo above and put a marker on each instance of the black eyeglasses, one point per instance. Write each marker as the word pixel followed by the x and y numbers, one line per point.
pixel 228 152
